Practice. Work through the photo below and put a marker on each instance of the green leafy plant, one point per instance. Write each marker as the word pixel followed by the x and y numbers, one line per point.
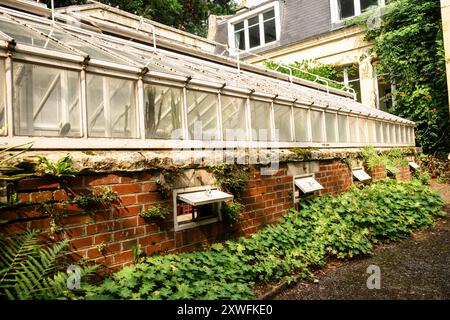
pixel 232 210
pixel 155 212
pixel 61 168
pixel 342 226
pixel 102 196
pixel 8 172
pixel 231 177
pixel 101 247
pixel 138 254
pixel 29 270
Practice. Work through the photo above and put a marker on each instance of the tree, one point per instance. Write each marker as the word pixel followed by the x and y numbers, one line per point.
pixel 409 48
pixel 189 15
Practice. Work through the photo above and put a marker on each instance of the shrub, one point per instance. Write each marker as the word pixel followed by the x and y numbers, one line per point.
pixel 156 211
pixel 342 226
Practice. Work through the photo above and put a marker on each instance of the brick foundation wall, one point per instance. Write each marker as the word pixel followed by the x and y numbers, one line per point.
pixel 378 172
pixel 119 226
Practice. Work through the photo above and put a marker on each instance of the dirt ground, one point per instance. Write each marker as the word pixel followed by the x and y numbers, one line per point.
pixel 415 268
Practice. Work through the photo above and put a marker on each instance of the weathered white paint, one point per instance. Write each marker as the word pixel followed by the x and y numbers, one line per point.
pixel 445 10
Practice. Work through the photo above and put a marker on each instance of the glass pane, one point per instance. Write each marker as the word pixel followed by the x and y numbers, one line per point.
pixel 316 126
pixel 301 124
pixel 282 122
pixel 386 134
pixel 392 133
pixel 239 26
pixel 270 33
pixel 111 107
pixel 379 131
pixel 202 115
pixel 346 8
pixel 353 125
pixel 372 138
pixel 24 35
pixel 342 123
pixel 330 125
pixel 399 134
pixel 367 3
pixel 362 130
pixel 2 98
pixel 163 107
pixel 46 101
pixel 233 118
pixel 260 118
pixel 253 33
pixel 269 15
pixel 239 40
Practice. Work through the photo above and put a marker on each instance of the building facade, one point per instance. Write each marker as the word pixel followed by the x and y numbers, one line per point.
pixel 296 30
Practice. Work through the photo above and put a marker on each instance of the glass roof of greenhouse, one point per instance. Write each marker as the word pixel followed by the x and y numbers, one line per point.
pixel 35 39
pixel 42 34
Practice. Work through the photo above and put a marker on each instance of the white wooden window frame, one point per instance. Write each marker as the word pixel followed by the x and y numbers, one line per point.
pixel 335 14
pixel 214 218
pixel 248 15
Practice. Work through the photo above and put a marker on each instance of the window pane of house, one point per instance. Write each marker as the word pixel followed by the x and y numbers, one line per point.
pixel 379 132
pixel 367 3
pixel 202 115
pixel 269 15
pixel 260 118
pixel 301 124
pixel 346 8
pixel 330 123
pixel 342 125
pixel 163 107
pixel 111 107
pixel 282 122
pixel 316 126
pixel 253 32
pixel 239 36
pixel 270 33
pixel 353 125
pixel 46 101
pixel 233 118
pixel 2 98
pixel 399 134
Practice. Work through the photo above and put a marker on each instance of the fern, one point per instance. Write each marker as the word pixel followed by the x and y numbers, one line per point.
pixel 29 270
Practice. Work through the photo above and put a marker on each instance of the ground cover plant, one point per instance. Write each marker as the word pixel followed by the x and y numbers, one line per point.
pixel 342 226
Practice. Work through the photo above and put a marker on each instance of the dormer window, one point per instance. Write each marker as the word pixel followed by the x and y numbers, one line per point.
pixel 254 29
pixel 343 9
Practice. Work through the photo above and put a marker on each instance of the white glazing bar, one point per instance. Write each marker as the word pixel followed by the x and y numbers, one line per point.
pixel 358 124
pixel 141 108
pixel 248 120
pixel 324 128
pixel 9 97
pixel 292 120
pixel 347 128
pixel 219 118
pixel 64 82
pixel 309 126
pixel 83 106
pixel 184 113
pixel 336 127
pixel 366 130
pixel 272 128
pixel 107 107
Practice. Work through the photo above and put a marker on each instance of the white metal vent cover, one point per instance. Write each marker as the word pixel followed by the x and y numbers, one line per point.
pixel 199 198
pixel 307 184
pixel 414 165
pixel 360 174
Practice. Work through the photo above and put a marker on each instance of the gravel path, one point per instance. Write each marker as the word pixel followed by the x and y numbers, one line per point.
pixel 415 268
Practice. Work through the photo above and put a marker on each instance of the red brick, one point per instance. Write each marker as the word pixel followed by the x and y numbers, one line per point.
pixel 39 197
pixel 127 188
pixel 122 257
pixel 76 231
pixel 128 200
pixel 128 211
pixel 149 187
pixel 102 238
pixel 93 253
pixel 37 184
pixel 129 244
pixel 81 243
pixel 101 180
pixel 24 197
pixel 148 197
pixel 60 195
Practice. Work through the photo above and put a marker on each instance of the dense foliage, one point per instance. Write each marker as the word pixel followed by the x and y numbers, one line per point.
pixel 342 226
pixel 310 69
pixel 189 15
pixel 410 51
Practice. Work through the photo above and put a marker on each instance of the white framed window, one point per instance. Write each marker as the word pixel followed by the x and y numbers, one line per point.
pixel 254 29
pixel 196 206
pixel 343 9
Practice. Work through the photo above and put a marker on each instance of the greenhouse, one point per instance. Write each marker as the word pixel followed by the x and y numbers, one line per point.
pixel 67 85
